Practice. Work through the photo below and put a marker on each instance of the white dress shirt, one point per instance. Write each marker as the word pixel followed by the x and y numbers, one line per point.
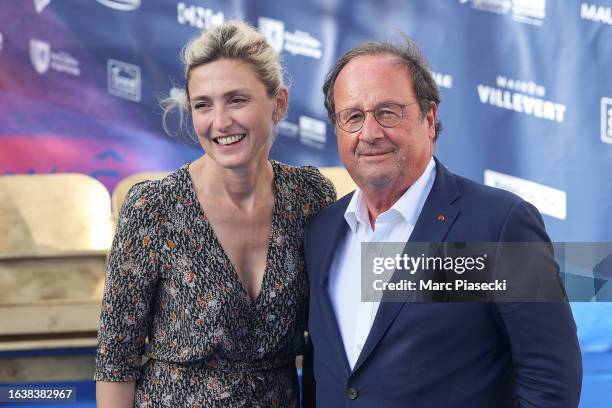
pixel 355 318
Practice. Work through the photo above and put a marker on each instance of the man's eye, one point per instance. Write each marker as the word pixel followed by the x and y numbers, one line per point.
pixel 354 117
pixel 385 113
pixel 237 101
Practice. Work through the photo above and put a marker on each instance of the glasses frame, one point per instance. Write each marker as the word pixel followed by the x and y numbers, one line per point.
pixel 373 112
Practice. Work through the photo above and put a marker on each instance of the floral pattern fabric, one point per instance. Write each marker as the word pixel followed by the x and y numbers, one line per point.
pixel 169 280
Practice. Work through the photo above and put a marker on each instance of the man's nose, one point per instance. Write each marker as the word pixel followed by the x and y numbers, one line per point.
pixel 371 129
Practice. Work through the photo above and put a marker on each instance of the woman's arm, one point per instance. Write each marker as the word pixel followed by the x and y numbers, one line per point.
pixel 115 394
pixel 129 291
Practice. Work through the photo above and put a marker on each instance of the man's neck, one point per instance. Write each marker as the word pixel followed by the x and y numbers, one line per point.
pixel 378 201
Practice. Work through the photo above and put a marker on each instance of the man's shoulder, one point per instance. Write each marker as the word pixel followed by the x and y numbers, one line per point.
pixel 450 185
pixel 483 195
pixel 493 214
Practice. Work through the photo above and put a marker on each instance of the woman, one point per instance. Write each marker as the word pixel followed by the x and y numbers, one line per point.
pixel 207 263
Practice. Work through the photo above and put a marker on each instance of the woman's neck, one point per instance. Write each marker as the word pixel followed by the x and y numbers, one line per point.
pixel 241 186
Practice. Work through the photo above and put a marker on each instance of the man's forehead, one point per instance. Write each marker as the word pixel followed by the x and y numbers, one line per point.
pixel 373 67
pixel 373 77
pixel 373 60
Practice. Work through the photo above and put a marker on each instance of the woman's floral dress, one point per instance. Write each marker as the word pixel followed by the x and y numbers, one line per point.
pixel 170 281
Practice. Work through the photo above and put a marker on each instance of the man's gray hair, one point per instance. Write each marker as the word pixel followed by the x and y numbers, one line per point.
pixel 425 87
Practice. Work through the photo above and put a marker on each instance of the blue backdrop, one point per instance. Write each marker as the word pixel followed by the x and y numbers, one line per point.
pixel 526 92
pixel 526 87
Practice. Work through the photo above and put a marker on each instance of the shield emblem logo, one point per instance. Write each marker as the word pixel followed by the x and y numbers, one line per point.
pixel 274 32
pixel 40 55
pixel 40 5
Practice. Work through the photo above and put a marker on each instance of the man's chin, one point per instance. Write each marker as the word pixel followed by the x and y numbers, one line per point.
pixel 377 179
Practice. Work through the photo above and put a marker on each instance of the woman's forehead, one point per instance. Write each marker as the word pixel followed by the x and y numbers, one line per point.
pixel 222 76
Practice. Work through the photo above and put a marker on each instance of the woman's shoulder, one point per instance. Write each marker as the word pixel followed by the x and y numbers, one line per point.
pixel 141 203
pixel 153 195
pixel 310 181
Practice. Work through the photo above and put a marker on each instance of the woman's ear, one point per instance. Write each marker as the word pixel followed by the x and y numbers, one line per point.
pixel 282 104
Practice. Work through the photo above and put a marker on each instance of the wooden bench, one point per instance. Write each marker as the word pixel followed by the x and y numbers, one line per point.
pixel 55 234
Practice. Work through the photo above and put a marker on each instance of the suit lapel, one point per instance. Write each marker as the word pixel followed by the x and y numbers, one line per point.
pixel 336 231
pixel 430 227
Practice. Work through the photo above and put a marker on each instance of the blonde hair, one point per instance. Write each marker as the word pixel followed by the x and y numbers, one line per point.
pixel 233 40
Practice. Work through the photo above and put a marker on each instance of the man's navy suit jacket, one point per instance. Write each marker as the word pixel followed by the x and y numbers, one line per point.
pixel 471 355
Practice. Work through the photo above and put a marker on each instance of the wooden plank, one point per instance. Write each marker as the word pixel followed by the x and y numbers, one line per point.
pixel 30 280
pixel 49 317
pixel 51 254
pixel 48 344
pixel 46 369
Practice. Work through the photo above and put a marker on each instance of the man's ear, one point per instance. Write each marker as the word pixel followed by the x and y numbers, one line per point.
pixel 431 119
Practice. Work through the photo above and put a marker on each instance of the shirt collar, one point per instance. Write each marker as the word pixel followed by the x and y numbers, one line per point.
pixel 408 206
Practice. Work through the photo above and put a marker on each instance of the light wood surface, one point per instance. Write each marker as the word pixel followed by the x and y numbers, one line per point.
pixel 53 213
pixel 340 177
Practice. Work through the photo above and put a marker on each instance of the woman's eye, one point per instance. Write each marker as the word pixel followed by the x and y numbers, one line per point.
pixel 201 105
pixel 237 101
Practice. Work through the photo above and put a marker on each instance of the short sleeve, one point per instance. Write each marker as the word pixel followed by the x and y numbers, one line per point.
pixel 130 285
pixel 319 190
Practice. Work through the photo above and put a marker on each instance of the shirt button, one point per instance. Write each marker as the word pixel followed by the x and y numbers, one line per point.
pixel 359 346
pixel 352 393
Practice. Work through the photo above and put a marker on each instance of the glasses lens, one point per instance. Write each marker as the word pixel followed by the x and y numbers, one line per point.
pixel 351 119
pixel 388 115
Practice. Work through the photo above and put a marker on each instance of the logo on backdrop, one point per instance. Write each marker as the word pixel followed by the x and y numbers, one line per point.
pixel 312 132
pixel 123 80
pixel 606 120
pixel 547 200
pixel 596 13
pixel 523 11
pixel 523 97
pixel 493 6
pixel 40 55
pixel 287 128
pixel 443 80
pixel 43 58
pixel 529 11
pixel 123 5
pixel 274 31
pixel 39 5
pixel 294 42
pixel 197 16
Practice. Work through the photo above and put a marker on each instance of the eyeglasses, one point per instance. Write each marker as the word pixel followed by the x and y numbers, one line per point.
pixel 387 115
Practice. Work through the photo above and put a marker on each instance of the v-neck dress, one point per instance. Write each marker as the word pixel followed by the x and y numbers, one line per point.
pixel 169 281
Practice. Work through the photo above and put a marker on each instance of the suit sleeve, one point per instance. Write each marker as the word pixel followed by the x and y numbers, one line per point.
pixel 542 336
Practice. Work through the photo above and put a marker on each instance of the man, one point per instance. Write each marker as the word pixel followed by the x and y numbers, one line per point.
pixel 383 103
